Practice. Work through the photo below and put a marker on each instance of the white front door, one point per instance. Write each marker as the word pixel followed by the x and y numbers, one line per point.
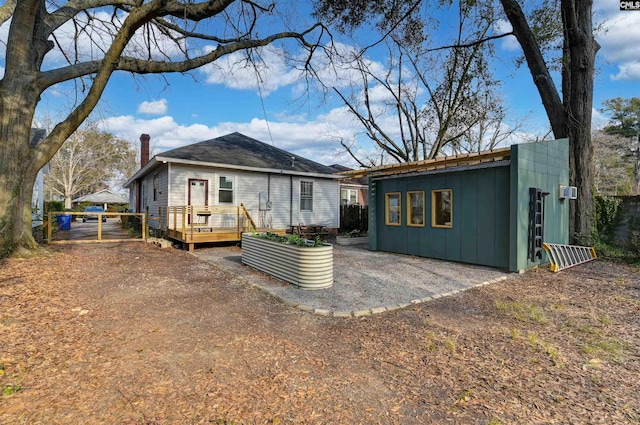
pixel 198 192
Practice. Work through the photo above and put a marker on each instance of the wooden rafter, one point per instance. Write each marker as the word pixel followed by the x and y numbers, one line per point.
pixel 431 164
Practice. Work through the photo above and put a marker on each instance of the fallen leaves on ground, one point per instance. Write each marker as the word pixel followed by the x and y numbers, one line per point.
pixel 133 334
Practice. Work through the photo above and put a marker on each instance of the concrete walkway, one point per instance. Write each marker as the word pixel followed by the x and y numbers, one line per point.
pixel 366 282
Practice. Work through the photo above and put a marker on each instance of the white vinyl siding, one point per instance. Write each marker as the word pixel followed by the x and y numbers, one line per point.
pixel 283 190
pixel 159 177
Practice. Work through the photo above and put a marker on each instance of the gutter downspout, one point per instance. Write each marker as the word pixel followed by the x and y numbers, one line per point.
pixel 290 200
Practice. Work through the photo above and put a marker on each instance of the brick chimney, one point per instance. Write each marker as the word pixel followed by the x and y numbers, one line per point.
pixel 144 149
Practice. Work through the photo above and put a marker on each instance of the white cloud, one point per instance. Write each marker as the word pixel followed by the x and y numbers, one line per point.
pixel 509 43
pixel 1 71
pixel 269 74
pixel 275 70
pixel 620 39
pixel 155 107
pixel 598 120
pixel 628 71
pixel 317 140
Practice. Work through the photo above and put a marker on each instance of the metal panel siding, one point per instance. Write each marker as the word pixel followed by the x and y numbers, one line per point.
pixel 501 217
pixel 544 165
pixel 468 207
pixel 438 237
pixel 374 213
pixel 453 236
pixel 389 237
pixel 480 232
pixel 486 214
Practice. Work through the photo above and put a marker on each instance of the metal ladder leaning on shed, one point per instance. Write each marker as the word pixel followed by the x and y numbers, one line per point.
pixel 565 256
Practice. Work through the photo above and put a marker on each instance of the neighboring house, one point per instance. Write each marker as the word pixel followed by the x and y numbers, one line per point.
pixel 353 191
pixel 279 189
pixel 37 197
pixel 492 208
pixel 104 198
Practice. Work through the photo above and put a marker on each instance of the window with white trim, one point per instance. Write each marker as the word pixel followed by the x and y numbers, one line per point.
pixel 348 197
pixel 225 190
pixel 306 196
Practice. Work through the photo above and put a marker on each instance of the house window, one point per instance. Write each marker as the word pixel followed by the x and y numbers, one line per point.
pixel 415 209
pixel 393 209
pixel 442 208
pixel 348 197
pixel 225 190
pixel 143 197
pixel 155 187
pixel 306 196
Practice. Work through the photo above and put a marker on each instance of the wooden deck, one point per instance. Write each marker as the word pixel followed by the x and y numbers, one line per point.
pixel 213 235
pixel 191 224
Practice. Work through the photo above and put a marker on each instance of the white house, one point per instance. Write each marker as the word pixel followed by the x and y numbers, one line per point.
pixel 278 189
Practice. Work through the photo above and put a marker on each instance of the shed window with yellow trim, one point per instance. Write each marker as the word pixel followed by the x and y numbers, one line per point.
pixel 393 209
pixel 415 208
pixel 442 208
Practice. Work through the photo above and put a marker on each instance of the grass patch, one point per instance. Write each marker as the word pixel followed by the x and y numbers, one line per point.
pixel 464 396
pixel 522 311
pixel 539 344
pixel 430 345
pixel 450 345
pixel 610 347
pixel 11 389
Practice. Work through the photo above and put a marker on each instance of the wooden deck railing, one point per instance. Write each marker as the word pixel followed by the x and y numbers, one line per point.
pixel 192 220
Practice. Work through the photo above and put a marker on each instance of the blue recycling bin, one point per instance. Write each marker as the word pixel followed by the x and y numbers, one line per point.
pixel 64 221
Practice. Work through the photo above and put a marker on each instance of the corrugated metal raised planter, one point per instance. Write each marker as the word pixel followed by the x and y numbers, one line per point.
pixel 307 267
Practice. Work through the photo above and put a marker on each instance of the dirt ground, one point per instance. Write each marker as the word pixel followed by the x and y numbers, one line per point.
pixel 133 334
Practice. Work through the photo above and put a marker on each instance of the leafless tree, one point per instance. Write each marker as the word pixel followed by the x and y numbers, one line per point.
pixel 441 100
pixel 88 161
pixel 552 34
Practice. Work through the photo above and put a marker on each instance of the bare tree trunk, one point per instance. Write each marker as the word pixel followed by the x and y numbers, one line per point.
pixel 581 47
pixel 18 169
pixel 571 117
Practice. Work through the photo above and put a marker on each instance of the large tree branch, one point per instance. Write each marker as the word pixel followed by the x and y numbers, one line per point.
pixel 141 66
pixel 538 67
pixel 72 8
pixel 6 10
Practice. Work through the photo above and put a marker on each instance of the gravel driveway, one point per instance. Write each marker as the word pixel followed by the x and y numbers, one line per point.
pixel 366 282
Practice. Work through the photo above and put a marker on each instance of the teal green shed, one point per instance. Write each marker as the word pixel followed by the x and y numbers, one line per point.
pixel 474 208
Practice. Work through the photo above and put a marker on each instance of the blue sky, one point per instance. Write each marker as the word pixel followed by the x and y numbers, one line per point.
pixel 180 109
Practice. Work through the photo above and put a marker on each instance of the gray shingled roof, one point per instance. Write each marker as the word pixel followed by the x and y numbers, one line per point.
pixel 104 196
pixel 243 151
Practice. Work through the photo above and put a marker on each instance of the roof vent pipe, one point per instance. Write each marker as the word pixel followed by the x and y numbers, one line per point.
pixel 293 161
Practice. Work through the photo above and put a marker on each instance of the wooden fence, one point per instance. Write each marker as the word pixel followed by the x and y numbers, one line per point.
pixel 354 217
